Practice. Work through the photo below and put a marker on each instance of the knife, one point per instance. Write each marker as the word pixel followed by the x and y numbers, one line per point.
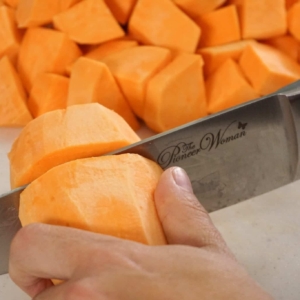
pixel 230 156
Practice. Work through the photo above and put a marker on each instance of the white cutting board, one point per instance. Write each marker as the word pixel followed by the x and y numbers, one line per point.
pixel 264 233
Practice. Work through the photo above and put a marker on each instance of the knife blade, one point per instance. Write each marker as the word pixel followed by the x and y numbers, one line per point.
pixel 230 156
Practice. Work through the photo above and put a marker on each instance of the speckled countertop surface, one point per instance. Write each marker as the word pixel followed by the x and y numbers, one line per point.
pixel 263 232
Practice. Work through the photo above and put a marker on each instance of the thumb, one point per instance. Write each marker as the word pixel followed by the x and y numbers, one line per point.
pixel 184 219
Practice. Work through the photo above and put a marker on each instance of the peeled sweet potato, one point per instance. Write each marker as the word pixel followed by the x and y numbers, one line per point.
pixel 176 95
pixel 13 109
pixel 268 69
pixel 10 36
pixel 220 27
pixel 45 51
pixel 111 195
pixel 261 19
pixel 60 136
pixel 133 68
pixel 228 87
pixel 91 81
pixel 121 9
pixel 88 22
pixel 57 87
pixel 162 23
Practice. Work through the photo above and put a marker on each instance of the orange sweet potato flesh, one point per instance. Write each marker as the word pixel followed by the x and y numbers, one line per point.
pixel 121 9
pixel 111 195
pixel 65 4
pixel 176 95
pixel 89 22
pixel 220 27
pixel 13 108
pixel 228 87
pixel 196 8
pixel 268 69
pixel 133 68
pixel 12 3
pixel 60 136
pixel 110 48
pixel 91 81
pixel 49 92
pixel 161 23
pixel 294 20
pixel 287 44
pixel 10 36
pixel 32 13
pixel 45 51
pixel 262 19
pixel 290 3
pixel 214 56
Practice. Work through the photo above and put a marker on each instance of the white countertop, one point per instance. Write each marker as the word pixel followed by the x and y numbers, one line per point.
pixel 264 233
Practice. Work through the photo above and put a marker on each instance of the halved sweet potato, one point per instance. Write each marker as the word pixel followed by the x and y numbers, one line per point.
pixel 60 136
pixel 111 195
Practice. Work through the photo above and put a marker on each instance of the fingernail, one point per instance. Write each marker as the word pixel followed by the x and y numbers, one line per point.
pixel 182 179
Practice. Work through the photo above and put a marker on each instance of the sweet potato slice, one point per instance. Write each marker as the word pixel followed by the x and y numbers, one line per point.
pixel 32 13
pixel 161 23
pixel 49 92
pixel 294 20
pixel 121 9
pixel 89 22
pixel 214 56
pixel 176 95
pixel 12 3
pixel 45 51
pixel 220 27
pixel 268 69
pixel 133 68
pixel 13 108
pixel 111 195
pixel 261 19
pixel 91 81
pixel 228 87
pixel 196 8
pixel 60 136
pixel 287 44
pixel 110 48
pixel 10 36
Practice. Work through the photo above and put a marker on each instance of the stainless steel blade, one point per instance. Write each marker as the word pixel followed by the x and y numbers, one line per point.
pixel 230 157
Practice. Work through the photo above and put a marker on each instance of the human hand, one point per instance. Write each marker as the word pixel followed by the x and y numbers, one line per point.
pixel 196 264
